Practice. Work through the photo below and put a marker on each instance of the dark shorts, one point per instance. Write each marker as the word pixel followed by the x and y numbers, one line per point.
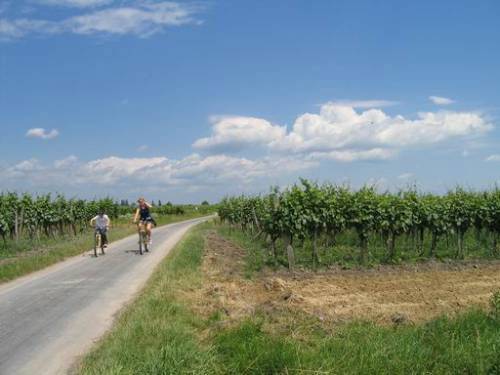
pixel 104 234
pixel 148 220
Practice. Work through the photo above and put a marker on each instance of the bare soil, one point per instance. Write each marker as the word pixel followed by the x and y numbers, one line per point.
pixel 386 295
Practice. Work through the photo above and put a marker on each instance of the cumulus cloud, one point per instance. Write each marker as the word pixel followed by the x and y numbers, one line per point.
pixel 142 19
pixel 66 162
pixel 235 133
pixel 112 169
pixel 42 133
pixel 223 168
pixel 193 170
pixel 336 132
pixel 22 169
pixel 338 127
pixel 26 166
pixel 354 155
pixel 340 132
pixel 439 100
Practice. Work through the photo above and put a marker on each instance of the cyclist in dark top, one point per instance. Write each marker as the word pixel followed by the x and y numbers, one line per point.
pixel 143 217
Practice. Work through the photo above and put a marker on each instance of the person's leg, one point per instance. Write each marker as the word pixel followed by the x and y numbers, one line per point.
pixel 104 235
pixel 148 230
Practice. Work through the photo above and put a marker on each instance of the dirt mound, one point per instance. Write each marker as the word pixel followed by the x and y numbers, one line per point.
pixel 390 295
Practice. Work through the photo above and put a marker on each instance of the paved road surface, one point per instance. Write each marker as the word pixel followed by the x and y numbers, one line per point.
pixel 50 318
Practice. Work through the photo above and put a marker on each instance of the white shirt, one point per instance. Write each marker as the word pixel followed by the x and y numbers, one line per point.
pixel 101 221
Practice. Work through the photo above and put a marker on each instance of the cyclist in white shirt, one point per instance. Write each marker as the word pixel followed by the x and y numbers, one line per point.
pixel 101 223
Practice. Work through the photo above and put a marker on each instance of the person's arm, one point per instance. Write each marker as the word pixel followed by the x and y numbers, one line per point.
pixel 92 221
pixel 148 205
pixel 136 216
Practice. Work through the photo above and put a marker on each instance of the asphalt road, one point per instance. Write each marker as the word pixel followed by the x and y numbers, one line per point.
pixel 50 318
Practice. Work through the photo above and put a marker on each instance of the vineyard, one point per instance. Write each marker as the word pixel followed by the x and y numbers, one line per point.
pixel 322 217
pixel 44 216
pixel 38 217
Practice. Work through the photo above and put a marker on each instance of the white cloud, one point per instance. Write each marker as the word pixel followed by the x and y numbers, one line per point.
pixel 340 127
pixel 354 155
pixel 112 169
pixel 339 132
pixel 76 3
pixel 142 19
pixel 142 148
pixel 23 26
pixel 21 169
pixel 494 157
pixel 235 133
pixel 160 172
pixel 66 162
pixel 27 166
pixel 224 168
pixel 42 133
pixel 439 100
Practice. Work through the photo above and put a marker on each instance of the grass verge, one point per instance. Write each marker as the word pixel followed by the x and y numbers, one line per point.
pixel 157 334
pixel 29 256
pixel 160 334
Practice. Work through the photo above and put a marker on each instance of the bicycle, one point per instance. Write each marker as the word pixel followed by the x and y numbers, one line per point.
pixel 143 238
pixel 98 242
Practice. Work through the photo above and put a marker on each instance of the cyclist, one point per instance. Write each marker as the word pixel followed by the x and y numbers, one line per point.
pixel 102 223
pixel 143 217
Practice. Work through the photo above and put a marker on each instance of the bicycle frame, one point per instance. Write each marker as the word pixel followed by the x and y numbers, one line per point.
pixel 98 243
pixel 143 238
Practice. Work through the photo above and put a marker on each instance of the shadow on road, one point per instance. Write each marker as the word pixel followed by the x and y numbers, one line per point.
pixel 136 252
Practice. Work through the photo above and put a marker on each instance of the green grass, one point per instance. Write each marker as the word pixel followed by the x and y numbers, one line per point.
pixel 157 334
pixel 160 334
pixel 26 256
pixel 469 344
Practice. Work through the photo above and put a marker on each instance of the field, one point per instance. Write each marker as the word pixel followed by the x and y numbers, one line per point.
pixel 208 310
pixel 415 293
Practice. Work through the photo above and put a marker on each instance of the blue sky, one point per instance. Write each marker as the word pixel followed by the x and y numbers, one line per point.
pixel 188 100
